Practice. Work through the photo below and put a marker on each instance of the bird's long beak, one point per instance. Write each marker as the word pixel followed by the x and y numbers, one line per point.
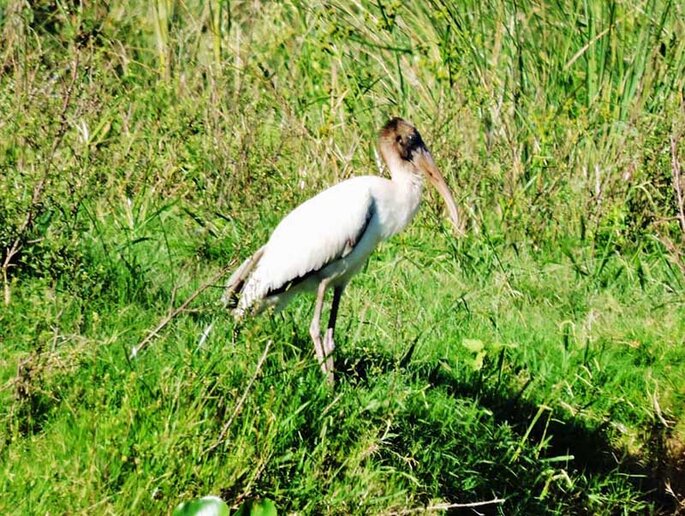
pixel 424 161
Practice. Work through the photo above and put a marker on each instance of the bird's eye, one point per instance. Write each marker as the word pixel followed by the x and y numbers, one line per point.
pixel 398 139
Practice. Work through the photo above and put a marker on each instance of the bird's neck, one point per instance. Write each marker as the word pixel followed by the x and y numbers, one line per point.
pixel 408 189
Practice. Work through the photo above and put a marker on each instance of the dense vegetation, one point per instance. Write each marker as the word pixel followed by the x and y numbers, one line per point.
pixel 147 147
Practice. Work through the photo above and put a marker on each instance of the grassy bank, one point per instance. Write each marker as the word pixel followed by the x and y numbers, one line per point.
pixel 539 360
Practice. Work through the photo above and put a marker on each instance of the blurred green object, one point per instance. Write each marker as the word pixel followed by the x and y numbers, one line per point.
pixel 215 506
pixel 205 506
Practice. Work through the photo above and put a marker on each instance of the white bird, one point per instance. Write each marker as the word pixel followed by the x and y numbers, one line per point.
pixel 326 240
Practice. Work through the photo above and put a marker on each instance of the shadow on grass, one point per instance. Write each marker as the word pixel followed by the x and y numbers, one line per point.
pixel 650 474
pixel 591 448
pixel 462 439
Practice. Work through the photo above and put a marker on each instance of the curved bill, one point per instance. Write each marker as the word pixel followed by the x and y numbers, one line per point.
pixel 424 161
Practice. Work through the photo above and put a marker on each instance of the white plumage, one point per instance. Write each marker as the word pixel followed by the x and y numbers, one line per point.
pixel 326 240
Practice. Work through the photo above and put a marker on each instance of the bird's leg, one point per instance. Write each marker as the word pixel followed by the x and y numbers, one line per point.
pixel 329 343
pixel 315 327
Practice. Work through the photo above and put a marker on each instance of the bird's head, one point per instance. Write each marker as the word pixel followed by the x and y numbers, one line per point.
pixel 403 148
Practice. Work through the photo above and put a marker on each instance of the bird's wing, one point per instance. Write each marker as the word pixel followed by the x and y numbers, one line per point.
pixel 319 231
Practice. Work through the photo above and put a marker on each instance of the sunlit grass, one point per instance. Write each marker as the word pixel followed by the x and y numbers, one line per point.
pixel 538 360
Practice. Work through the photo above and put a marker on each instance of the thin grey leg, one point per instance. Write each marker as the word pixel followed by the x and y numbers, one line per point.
pixel 329 343
pixel 315 327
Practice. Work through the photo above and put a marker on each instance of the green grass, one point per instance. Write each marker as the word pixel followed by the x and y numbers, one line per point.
pixel 539 360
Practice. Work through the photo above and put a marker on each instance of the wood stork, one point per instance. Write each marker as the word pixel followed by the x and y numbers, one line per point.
pixel 323 242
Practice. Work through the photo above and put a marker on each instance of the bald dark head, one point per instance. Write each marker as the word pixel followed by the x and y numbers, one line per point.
pixel 400 137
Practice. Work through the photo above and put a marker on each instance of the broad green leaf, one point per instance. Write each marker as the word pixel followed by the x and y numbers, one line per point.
pixel 205 506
